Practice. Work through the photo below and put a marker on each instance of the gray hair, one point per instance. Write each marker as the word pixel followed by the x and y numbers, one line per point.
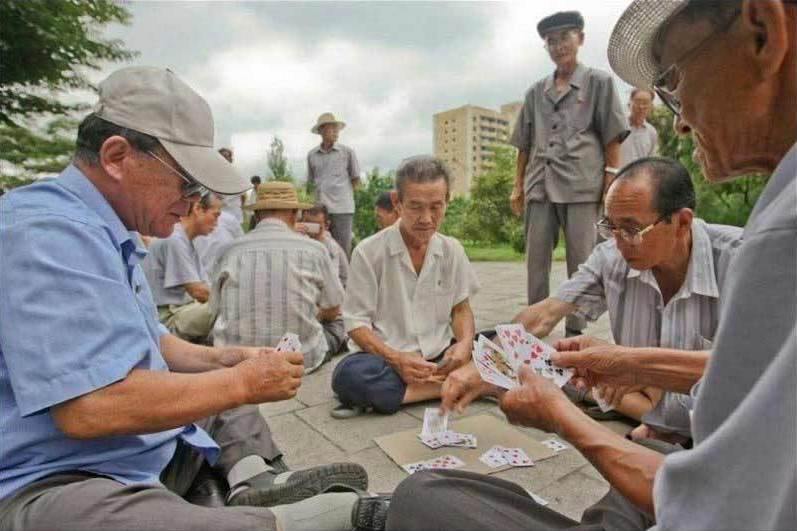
pixel 421 169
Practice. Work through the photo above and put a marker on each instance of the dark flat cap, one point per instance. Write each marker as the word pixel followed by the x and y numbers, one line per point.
pixel 559 21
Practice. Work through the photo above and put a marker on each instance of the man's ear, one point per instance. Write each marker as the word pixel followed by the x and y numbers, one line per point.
pixel 684 218
pixel 766 26
pixel 394 198
pixel 113 154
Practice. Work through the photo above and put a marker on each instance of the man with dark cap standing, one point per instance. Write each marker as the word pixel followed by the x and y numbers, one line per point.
pixel 568 135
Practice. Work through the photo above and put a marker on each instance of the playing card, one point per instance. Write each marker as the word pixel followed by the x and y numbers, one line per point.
pixel 444 462
pixel 289 343
pixel 555 445
pixel 494 457
pixel 433 422
pixel 414 467
pixel 517 457
pixel 559 375
pixel 462 440
pixel 492 364
pixel 541 501
pixel 516 343
pixel 432 441
pixel 603 404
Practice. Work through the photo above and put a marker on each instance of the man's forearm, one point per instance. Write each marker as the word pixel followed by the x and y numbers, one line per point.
pixel 522 162
pixel 627 466
pixel 367 340
pixel 148 402
pixel 668 369
pixel 182 356
pixel 462 322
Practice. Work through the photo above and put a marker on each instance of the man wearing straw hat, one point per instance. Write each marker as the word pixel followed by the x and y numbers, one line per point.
pixel 273 280
pixel 106 418
pixel 333 172
pixel 741 472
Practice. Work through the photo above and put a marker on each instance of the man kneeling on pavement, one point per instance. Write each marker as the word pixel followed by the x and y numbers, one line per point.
pixel 107 425
pixel 407 307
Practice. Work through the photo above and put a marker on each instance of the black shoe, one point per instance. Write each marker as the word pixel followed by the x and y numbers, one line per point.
pixel 209 488
pixel 262 491
pixel 370 513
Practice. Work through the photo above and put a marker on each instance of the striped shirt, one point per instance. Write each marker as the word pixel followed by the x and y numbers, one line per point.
pixel 331 171
pixel 639 317
pixel 272 281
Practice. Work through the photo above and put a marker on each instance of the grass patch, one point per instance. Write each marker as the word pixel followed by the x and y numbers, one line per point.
pixel 481 252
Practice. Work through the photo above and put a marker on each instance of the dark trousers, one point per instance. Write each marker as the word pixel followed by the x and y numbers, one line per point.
pixel 79 500
pixel 453 500
pixel 340 227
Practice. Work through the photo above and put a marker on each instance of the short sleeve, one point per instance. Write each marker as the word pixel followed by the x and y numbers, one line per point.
pixel 585 288
pixel 179 263
pixel 612 122
pixel 69 320
pixel 359 307
pixel 331 291
pixel 310 172
pixel 524 126
pixel 467 282
pixel 354 165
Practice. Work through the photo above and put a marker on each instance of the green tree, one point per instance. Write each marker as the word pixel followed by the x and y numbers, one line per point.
pixel 488 218
pixel 46 48
pixel 278 163
pixel 364 200
pixel 729 203
pixel 454 222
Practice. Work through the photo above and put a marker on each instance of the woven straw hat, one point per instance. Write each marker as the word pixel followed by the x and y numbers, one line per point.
pixel 326 118
pixel 277 195
pixel 631 43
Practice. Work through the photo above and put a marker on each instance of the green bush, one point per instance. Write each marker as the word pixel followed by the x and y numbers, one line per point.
pixel 364 200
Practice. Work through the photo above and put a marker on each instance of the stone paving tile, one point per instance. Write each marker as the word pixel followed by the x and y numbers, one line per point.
pixel 316 388
pixel 383 473
pixel 353 435
pixel 301 444
pixel 272 409
pixel 573 494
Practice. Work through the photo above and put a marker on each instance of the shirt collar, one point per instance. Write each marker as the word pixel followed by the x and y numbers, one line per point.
pixel 396 243
pixel 700 278
pixel 76 182
pixel 577 80
pixel 274 223
pixel 334 147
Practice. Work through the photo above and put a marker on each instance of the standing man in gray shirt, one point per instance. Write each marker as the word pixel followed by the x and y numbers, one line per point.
pixel 334 173
pixel 568 135
pixel 643 141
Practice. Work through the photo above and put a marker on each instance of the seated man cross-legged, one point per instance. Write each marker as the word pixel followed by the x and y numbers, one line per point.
pixel 660 276
pixel 407 305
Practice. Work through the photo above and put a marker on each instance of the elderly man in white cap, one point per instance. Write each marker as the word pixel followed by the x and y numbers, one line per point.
pixel 742 472
pixel 107 418
pixel 333 172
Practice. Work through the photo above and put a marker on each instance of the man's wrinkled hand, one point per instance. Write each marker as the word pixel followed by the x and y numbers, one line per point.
pixel 270 376
pixel 536 403
pixel 232 356
pixel 603 364
pixel 463 386
pixel 456 356
pixel 535 321
pixel 413 368
pixel 517 200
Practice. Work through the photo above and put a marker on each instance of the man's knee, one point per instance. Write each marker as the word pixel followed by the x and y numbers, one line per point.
pixel 363 379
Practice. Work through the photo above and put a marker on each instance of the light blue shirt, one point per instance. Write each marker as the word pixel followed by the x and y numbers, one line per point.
pixel 76 315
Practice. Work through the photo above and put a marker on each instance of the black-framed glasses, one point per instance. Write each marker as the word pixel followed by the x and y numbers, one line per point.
pixel 666 84
pixel 191 186
pixel 631 235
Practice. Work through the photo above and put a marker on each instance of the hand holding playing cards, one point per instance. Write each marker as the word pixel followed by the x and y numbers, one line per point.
pixel 536 402
pixel 595 362
pixel 463 386
pixel 232 356
pixel 412 367
pixel 455 357
pixel 270 377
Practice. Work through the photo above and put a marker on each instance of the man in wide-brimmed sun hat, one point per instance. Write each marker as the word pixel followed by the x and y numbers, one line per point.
pixel 274 280
pixel 728 70
pixel 108 421
pixel 568 136
pixel 333 173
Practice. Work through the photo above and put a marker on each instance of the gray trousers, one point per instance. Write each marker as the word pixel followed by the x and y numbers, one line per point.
pixel 453 500
pixel 79 500
pixel 340 227
pixel 543 222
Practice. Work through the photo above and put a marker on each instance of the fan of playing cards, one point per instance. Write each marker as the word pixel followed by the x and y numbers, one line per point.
pixel 289 343
pixel 500 365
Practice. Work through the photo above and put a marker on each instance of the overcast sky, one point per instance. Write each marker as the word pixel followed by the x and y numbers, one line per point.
pixel 384 67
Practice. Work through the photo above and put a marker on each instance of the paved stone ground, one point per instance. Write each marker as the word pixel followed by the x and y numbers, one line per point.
pixel 309 436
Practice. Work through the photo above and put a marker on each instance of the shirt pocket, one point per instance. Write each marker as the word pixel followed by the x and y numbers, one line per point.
pixel 578 116
pixel 443 300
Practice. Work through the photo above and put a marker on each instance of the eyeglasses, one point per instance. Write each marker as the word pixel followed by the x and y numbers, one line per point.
pixel 191 186
pixel 667 83
pixel 630 235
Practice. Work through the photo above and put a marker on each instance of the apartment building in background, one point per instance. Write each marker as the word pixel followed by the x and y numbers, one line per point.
pixel 463 136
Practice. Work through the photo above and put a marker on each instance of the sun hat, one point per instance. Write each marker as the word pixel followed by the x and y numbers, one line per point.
pixel 560 21
pixel 154 101
pixel 631 43
pixel 277 195
pixel 326 118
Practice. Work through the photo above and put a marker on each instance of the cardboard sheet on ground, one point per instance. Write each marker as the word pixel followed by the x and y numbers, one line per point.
pixel 405 447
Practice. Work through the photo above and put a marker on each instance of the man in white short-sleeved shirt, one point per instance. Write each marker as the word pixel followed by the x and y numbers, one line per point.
pixel 407 307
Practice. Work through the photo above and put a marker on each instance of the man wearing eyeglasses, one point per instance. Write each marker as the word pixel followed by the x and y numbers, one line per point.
pixel 732 80
pixel 568 135
pixel 106 418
